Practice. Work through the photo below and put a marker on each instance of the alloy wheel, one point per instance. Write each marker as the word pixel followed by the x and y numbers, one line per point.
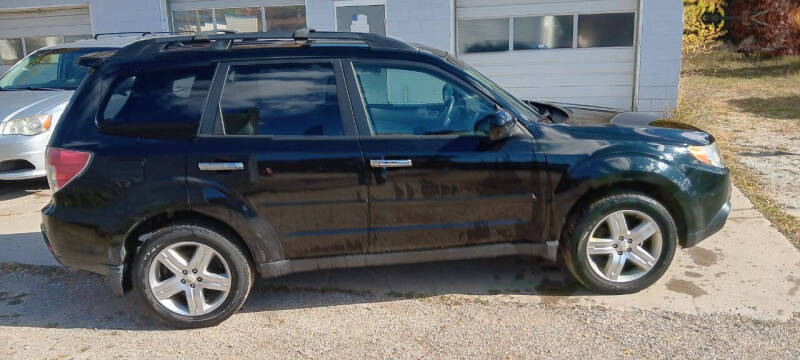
pixel 189 278
pixel 624 246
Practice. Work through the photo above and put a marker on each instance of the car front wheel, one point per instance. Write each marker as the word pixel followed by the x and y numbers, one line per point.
pixel 620 244
pixel 190 276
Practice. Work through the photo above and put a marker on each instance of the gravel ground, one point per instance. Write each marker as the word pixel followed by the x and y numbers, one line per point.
pixel 54 313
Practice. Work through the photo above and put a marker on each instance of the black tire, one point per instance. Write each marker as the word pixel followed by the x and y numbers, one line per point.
pixel 581 223
pixel 241 274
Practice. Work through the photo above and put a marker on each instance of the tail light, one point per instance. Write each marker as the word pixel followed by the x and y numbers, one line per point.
pixel 64 165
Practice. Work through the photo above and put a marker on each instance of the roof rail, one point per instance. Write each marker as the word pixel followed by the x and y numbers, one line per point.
pixel 140 33
pixel 203 35
pixel 372 40
pixel 303 34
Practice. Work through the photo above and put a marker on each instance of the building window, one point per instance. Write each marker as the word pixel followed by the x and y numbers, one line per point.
pixel 12 50
pixel 483 35
pixel 606 30
pixel 543 32
pixel 361 18
pixel 239 19
pixel 192 20
pixel 247 19
pixel 286 18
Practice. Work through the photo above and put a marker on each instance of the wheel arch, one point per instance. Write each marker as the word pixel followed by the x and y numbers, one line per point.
pixel 138 235
pixel 642 174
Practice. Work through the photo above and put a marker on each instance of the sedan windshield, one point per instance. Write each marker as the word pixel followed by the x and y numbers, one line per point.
pixel 52 69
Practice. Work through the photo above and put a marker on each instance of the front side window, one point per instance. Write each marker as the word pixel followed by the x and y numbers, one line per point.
pixel 52 69
pixel 410 101
pixel 281 99
pixel 161 97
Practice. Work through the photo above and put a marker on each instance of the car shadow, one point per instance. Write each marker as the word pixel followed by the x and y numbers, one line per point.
pixel 54 297
pixel 10 190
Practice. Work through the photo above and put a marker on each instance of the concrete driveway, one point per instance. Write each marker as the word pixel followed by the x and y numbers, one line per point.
pixel 748 268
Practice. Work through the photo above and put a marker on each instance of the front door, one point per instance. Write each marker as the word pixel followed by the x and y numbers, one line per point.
pixel 282 138
pixel 437 181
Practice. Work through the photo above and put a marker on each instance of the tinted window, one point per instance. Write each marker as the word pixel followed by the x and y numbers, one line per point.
pixel 482 35
pixel 542 32
pixel 281 99
pixel 604 30
pixel 412 101
pixel 166 97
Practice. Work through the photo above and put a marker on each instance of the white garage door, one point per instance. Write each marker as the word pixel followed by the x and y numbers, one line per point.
pixel 553 50
pixel 22 32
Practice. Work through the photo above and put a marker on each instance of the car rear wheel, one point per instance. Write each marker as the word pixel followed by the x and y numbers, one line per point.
pixel 620 244
pixel 190 276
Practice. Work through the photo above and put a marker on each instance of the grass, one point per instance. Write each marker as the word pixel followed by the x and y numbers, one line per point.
pixel 734 97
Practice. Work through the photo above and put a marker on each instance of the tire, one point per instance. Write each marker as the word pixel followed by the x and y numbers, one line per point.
pixel 601 219
pixel 170 245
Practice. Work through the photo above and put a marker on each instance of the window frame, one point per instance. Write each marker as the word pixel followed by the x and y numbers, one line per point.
pixel 575 30
pixel 211 120
pixel 364 123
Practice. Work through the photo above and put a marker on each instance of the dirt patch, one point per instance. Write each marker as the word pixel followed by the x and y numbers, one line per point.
pixel 702 257
pixel 693 274
pixel 685 287
pixel 796 282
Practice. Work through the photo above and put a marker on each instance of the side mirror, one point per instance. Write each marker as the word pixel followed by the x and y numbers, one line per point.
pixel 501 125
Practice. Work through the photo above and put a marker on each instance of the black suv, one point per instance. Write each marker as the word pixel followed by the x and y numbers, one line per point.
pixel 186 166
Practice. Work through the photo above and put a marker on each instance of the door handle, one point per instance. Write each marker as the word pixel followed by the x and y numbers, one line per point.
pixel 390 163
pixel 220 166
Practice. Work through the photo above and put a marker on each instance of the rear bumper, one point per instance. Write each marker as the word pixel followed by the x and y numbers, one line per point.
pixel 713 226
pixel 114 273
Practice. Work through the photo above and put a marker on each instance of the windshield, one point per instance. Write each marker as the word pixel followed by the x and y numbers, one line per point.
pixel 53 69
pixel 527 112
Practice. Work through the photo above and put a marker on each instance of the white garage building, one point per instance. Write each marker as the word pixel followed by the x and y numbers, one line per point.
pixel 623 54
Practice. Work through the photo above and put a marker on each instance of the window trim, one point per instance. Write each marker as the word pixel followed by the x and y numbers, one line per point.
pixel 211 121
pixel 360 107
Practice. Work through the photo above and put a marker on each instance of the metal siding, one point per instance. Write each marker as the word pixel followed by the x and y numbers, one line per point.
pixel 593 76
pixel 57 22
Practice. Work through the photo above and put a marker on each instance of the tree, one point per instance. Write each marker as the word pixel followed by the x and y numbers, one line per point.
pixel 700 36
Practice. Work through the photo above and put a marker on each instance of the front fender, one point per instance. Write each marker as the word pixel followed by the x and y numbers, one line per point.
pixel 639 172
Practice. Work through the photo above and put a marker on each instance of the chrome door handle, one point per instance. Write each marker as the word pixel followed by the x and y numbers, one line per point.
pixel 220 166
pixel 390 163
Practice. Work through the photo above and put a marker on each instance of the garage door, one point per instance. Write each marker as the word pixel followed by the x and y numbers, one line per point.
pixel 22 32
pixel 553 50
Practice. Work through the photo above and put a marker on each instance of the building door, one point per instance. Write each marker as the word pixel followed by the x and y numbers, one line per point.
pixel 23 32
pixel 579 52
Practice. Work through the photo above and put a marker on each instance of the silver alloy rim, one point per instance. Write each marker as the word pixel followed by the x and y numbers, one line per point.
pixel 624 246
pixel 189 278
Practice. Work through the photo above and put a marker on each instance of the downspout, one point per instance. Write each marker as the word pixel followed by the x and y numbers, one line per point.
pixel 637 56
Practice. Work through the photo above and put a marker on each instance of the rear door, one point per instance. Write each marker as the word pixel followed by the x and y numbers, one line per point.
pixel 436 179
pixel 281 138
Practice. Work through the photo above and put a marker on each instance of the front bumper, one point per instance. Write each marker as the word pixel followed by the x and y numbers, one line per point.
pixel 713 226
pixel 30 149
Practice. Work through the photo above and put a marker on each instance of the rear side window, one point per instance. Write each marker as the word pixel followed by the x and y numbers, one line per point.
pixel 281 99
pixel 164 98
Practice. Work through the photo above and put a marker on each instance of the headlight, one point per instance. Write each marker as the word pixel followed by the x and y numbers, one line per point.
pixel 708 154
pixel 29 125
